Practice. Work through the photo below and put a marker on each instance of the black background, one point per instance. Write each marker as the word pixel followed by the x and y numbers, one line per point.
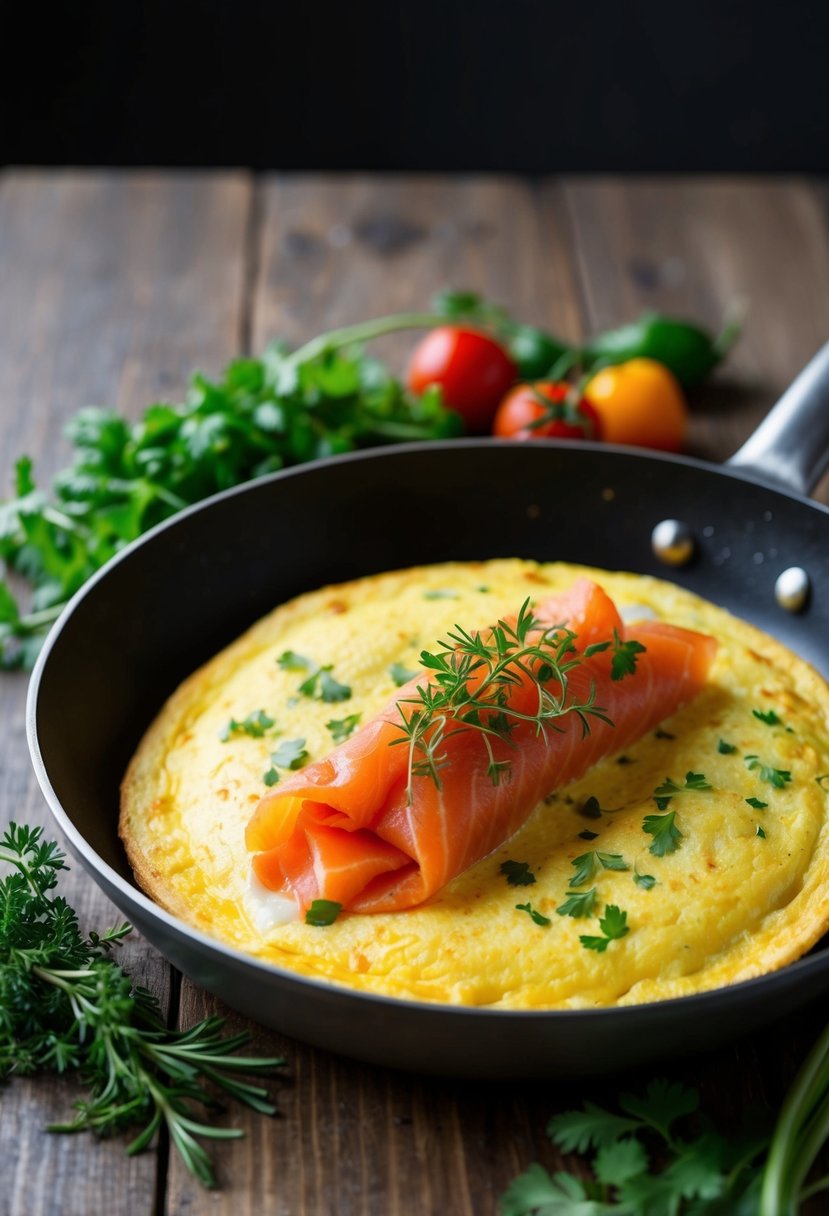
pixel 526 85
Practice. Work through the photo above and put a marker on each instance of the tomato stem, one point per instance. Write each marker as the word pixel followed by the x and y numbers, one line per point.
pixel 364 331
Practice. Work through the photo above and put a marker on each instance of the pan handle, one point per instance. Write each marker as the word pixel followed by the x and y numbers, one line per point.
pixel 790 447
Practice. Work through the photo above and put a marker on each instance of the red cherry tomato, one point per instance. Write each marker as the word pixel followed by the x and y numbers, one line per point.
pixel 546 410
pixel 472 370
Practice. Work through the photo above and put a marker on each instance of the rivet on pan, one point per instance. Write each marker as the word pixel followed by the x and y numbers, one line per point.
pixel 672 542
pixel 792 588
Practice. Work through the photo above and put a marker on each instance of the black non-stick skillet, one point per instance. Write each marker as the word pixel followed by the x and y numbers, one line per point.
pixel 174 598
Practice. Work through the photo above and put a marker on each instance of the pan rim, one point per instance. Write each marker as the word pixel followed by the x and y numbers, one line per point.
pixel 131 893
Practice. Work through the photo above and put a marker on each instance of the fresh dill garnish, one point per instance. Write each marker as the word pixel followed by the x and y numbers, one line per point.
pixel 589 864
pixel 757 804
pixel 471 678
pixel 778 777
pixel 66 1005
pixel 578 904
pixel 254 724
pixel 400 674
pixel 769 716
pixel 341 728
pixel 726 749
pixel 613 926
pixel 323 912
pixel 538 917
pixel 666 835
pixel 517 873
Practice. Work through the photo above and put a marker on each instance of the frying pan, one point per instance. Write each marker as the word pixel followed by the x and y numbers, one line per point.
pixel 179 594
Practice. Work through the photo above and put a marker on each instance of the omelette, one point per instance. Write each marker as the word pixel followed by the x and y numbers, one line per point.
pixel 692 857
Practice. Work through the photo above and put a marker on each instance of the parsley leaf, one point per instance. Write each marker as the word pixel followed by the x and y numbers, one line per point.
pixel 578 903
pixel 538 917
pixel 440 593
pixel 778 777
pixel 290 754
pixel 400 674
pixel 760 832
pixel 726 749
pixel 769 716
pixel 255 725
pixel 646 881
pixel 517 873
pixel 535 1191
pixel 757 804
pixel 341 728
pixel 289 660
pixel 588 864
pixel 666 836
pixel 663 793
pixel 588 835
pixel 624 658
pixel 323 912
pixel 332 690
pixel 613 926
pixel 318 681
pixel 271 777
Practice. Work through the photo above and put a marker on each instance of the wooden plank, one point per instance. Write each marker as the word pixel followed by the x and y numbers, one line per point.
pixel 112 288
pixel 353 1140
pixel 692 247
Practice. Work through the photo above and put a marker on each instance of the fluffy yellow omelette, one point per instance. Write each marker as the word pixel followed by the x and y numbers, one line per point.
pixel 744 891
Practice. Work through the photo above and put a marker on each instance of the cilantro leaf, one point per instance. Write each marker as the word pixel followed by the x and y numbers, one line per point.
pixel 577 1131
pixel 538 917
pixel 646 881
pixel 624 658
pixel 290 754
pixel 536 1192
pixel 587 865
pixel 323 912
pixel 613 926
pixel 778 777
pixel 666 836
pixel 617 1163
pixel 254 725
pixel 289 660
pixel 332 690
pixel 517 873
pixel 663 1103
pixel 341 728
pixel 400 674
pixel 578 904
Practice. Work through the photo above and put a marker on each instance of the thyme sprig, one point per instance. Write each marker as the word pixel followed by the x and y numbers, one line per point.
pixel 471 679
pixel 66 1005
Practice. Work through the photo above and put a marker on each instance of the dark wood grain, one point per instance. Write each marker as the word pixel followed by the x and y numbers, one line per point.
pixel 112 289
pixel 695 248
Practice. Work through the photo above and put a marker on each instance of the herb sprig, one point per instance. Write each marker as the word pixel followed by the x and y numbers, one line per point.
pixel 124 477
pixel 471 679
pixel 66 1005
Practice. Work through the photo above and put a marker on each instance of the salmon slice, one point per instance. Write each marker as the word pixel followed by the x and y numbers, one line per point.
pixel 344 828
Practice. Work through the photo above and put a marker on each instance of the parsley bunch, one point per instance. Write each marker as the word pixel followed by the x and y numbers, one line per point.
pixel 261 415
pixel 658 1156
pixel 66 1005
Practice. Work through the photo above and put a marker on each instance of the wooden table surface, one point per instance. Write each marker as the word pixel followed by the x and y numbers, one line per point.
pixel 113 287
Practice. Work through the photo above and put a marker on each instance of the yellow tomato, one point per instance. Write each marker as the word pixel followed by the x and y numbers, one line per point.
pixel 641 403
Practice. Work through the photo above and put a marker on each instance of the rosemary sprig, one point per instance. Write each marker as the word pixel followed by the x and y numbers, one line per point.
pixel 472 677
pixel 65 1004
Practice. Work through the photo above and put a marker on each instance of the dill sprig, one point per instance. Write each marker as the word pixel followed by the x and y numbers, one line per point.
pixel 471 679
pixel 66 1005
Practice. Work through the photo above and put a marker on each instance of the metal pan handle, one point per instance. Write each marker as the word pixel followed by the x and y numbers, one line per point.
pixel 790 447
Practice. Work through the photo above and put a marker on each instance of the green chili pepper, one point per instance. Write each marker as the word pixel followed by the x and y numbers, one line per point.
pixel 534 351
pixel 688 351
